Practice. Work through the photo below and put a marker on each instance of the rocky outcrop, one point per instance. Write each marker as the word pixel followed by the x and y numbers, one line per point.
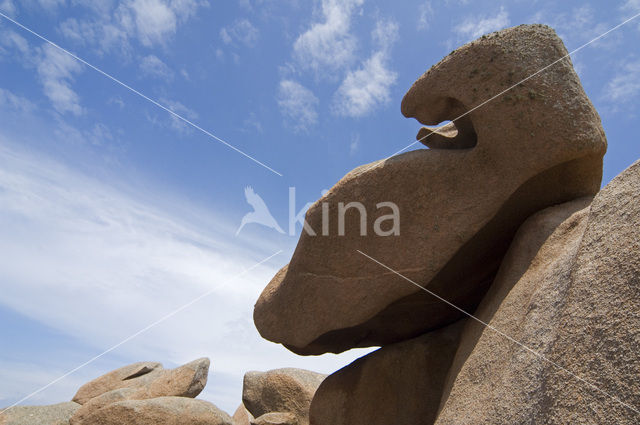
pixel 287 392
pixel 569 288
pixel 151 380
pixel 139 381
pixel 160 411
pixel 56 414
pixel 460 203
pixel 398 384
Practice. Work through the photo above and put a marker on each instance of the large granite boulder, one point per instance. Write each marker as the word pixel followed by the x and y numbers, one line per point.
pixel 55 414
pixel 283 391
pixel 460 203
pixel 398 384
pixel 150 380
pixel 160 411
pixel 569 289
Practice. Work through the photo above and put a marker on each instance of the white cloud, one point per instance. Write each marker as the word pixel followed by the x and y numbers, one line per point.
pixel 152 66
pixel 109 261
pixel 298 105
pixel 154 21
pixel 328 44
pixel 625 85
pixel 425 13
pixel 475 26
pixel 151 22
pixel 364 89
pixel 56 70
pixel 14 102
pixel 100 33
pixel 369 86
pixel 241 31
pixel 10 40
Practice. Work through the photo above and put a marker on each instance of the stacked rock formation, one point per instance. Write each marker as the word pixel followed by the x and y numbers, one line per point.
pixel 280 396
pixel 498 219
pixel 146 393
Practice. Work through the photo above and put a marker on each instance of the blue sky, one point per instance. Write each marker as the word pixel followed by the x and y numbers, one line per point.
pixel 114 213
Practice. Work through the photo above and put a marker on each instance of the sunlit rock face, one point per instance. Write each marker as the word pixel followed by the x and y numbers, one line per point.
pixel 459 202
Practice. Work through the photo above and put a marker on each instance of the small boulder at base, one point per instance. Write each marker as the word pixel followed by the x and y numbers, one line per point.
pixel 281 390
pixel 160 411
pixel 276 418
pixel 55 414
pixel 400 383
pixel 242 416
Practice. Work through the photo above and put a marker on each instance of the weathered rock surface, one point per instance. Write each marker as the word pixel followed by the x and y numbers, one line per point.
pixel 101 401
pixel 55 414
pixel 150 380
pixel 160 411
pixel 242 416
pixel 276 418
pixel 569 288
pixel 460 203
pixel 398 384
pixel 281 390
pixel 136 374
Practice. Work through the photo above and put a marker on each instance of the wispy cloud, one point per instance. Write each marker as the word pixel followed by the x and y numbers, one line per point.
pixel 475 26
pixel 174 122
pixel 56 70
pixel 298 105
pixel 14 102
pixel 7 7
pixel 631 6
pixel 425 14
pixel 369 86
pixel 152 66
pixel 10 40
pixel 625 84
pixel 110 253
pixel 150 22
pixel 241 31
pixel 328 44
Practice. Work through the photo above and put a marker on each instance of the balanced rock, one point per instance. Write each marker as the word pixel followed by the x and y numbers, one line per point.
pixel 398 384
pixel 459 203
pixel 55 414
pixel 281 390
pixel 160 411
pixel 568 289
pixel 151 380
